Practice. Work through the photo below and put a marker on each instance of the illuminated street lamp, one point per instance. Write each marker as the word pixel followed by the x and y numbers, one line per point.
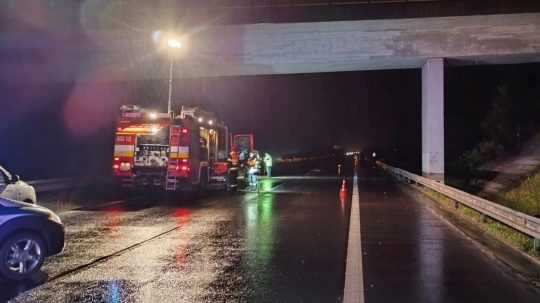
pixel 171 42
pixel 174 43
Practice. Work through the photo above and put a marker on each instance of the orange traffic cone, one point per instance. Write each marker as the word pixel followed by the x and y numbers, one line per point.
pixel 343 192
pixel 342 197
pixel 343 187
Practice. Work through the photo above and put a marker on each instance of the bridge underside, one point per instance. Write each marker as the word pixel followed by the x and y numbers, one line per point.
pixel 289 48
pixel 364 45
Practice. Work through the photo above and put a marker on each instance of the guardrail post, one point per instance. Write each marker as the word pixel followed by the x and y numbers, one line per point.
pixel 456 204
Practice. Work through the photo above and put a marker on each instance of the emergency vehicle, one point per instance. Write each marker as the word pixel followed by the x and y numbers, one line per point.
pixel 188 152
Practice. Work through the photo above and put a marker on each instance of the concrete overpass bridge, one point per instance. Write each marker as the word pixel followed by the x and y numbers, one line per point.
pixel 426 43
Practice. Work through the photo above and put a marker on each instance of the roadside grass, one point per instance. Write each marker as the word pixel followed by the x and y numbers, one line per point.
pixel 501 231
pixel 525 197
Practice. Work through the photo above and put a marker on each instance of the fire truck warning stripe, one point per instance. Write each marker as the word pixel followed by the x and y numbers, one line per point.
pixel 123 148
pixel 181 149
pixel 178 155
pixel 124 154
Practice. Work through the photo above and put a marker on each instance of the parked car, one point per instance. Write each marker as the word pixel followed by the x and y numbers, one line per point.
pixel 12 187
pixel 28 234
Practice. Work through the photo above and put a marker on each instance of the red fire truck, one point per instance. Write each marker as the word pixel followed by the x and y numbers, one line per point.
pixel 188 152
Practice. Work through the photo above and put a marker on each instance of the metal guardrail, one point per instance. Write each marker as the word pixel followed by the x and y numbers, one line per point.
pixel 48 185
pixel 522 222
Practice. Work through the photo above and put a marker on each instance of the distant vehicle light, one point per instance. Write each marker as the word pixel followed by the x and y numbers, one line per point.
pixel 116 166
pixel 152 116
pixel 184 130
pixel 210 122
pixel 154 130
pixel 200 120
pixel 116 159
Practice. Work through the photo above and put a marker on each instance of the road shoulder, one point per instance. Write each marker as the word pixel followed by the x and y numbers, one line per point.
pixel 511 259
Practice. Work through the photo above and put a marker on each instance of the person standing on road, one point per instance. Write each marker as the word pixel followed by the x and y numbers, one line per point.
pixel 233 157
pixel 253 169
pixel 268 164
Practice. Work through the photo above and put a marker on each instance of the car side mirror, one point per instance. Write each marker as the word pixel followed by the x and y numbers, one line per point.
pixel 15 179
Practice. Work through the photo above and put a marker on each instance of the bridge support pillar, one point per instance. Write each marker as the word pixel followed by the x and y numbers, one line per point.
pixel 433 119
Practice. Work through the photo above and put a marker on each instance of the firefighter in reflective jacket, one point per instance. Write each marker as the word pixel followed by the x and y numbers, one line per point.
pixel 233 157
pixel 253 168
pixel 268 164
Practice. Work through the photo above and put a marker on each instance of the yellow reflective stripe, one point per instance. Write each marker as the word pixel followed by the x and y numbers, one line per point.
pixel 179 155
pixel 124 154
pixel 124 150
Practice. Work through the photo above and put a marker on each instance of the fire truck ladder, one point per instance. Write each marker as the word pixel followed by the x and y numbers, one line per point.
pixel 170 182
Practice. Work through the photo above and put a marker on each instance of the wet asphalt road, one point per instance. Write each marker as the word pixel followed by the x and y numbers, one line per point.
pixel 284 246
pixel 287 245
pixel 411 255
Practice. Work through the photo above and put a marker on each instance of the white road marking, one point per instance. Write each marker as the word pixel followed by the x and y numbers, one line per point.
pixel 353 291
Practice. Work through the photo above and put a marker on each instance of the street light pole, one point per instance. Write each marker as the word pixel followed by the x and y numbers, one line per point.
pixel 173 45
pixel 169 102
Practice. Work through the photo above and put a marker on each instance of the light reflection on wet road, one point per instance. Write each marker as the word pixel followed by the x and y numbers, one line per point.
pixel 245 247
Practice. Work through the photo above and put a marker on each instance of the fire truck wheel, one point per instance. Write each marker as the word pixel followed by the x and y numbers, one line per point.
pixel 230 186
pixel 231 181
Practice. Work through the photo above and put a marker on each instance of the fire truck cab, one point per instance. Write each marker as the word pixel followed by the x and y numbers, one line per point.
pixel 185 152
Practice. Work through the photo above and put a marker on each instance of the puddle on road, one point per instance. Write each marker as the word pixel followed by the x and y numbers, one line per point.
pixel 112 291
